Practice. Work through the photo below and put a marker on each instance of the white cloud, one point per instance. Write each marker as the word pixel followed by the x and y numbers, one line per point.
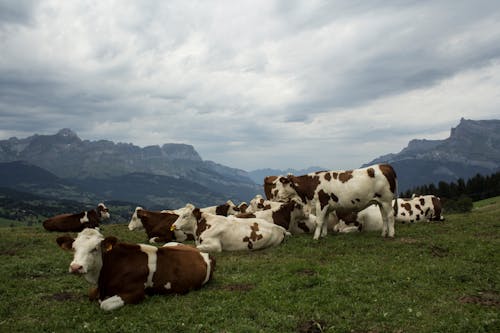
pixel 250 83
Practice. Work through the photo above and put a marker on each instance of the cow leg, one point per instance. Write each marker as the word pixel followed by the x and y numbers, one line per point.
pixel 210 245
pixel 321 226
pixel 117 301
pixel 387 220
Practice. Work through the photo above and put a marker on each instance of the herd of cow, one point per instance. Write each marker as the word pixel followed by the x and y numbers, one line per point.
pixel 339 201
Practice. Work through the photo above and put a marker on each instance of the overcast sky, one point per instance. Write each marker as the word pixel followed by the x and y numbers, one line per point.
pixel 250 84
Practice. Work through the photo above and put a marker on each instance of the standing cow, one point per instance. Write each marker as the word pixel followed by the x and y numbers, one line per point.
pixel 124 273
pixel 77 222
pixel 340 191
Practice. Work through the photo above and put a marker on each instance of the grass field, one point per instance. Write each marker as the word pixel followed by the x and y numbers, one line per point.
pixel 433 277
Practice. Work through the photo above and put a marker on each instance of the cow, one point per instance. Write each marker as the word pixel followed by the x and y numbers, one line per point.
pixel 157 225
pixel 419 208
pixel 216 233
pixel 368 219
pixel 77 222
pixel 290 215
pixel 339 191
pixel 228 208
pixel 258 203
pixel 124 273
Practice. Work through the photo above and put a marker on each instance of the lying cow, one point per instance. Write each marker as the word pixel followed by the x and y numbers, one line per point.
pixel 77 222
pixel 228 208
pixel 339 191
pixel 216 233
pixel 419 208
pixel 124 273
pixel 157 225
pixel 369 219
pixel 258 203
pixel 290 215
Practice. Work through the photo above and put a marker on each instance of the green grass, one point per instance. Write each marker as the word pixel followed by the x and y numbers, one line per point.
pixel 434 277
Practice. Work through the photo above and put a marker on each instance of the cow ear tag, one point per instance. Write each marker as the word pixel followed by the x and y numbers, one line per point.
pixel 108 243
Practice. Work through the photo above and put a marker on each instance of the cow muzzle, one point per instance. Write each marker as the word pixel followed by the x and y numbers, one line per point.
pixel 76 269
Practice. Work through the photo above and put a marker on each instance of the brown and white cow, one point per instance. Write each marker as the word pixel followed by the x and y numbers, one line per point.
pixel 290 215
pixel 216 233
pixel 339 191
pixel 157 225
pixel 228 208
pixel 258 203
pixel 77 222
pixel 368 219
pixel 124 273
pixel 419 208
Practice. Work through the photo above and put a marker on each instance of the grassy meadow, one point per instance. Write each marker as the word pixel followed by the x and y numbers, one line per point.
pixel 433 277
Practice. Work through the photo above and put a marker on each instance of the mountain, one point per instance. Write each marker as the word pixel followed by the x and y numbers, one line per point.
pixel 472 147
pixel 89 165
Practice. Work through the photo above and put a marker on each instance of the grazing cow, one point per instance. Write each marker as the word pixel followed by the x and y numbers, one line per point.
pixel 124 273
pixel 77 222
pixel 419 208
pixel 339 191
pixel 290 215
pixel 369 219
pixel 157 225
pixel 215 233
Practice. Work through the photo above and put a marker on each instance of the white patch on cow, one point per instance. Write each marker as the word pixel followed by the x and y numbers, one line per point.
pixel 112 303
pixel 151 253
pixel 168 286
pixel 84 218
pixel 135 222
pixel 87 254
pixel 172 244
pixel 206 257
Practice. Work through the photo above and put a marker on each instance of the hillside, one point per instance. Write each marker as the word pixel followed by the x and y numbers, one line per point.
pixel 472 147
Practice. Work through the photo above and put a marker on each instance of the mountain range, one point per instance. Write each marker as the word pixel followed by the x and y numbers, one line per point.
pixel 168 176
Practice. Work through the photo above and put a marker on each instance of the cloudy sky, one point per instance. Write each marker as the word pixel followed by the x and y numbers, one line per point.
pixel 250 84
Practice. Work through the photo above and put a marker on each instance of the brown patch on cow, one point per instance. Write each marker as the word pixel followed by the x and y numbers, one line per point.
pixel 238 287
pixel 303 226
pixel 324 198
pixel 335 175
pixel 390 175
pixel 222 209
pixel 269 186
pixel 436 202
pixel 407 207
pixel 486 298
pixel 328 177
pixel 246 216
pixel 306 186
pixel 253 236
pixel 371 172
pixel 312 326
pixel 345 176
pixel 202 226
pixel 283 215
pixel 422 201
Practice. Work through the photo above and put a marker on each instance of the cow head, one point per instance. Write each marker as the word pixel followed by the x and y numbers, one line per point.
pixel 283 189
pixel 187 220
pixel 135 221
pixel 87 248
pixel 103 211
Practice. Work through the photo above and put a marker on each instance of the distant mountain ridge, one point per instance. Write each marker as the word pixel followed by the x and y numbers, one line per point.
pixel 77 163
pixel 472 147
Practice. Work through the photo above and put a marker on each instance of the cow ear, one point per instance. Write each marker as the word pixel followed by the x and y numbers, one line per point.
pixel 197 213
pixel 65 242
pixel 108 243
pixel 284 180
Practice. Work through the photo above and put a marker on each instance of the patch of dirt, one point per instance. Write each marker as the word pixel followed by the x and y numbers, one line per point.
pixel 238 287
pixel 487 298
pixel 312 326
pixel 306 272
pixel 407 240
pixel 61 297
pixel 8 252
pixel 438 251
